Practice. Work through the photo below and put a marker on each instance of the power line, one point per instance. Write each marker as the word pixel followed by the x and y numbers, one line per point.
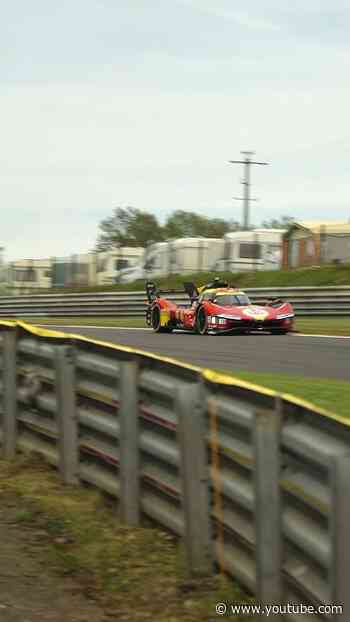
pixel 246 183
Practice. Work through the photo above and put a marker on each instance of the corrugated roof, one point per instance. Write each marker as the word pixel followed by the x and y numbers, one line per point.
pixel 330 226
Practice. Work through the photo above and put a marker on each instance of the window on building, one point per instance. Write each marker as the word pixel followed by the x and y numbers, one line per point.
pixel 101 264
pixel 250 250
pixel 25 275
pixel 120 264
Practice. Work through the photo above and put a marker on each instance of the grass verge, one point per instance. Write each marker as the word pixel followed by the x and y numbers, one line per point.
pixel 138 322
pixel 339 326
pixel 324 275
pixel 133 573
pixel 333 395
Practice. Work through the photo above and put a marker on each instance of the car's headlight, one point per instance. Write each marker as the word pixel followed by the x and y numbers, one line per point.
pixel 284 316
pixel 231 317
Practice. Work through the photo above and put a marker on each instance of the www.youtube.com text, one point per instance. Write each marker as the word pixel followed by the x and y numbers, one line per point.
pixel 227 609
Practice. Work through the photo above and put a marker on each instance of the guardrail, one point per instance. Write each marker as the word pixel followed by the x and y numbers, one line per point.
pixel 255 482
pixel 315 301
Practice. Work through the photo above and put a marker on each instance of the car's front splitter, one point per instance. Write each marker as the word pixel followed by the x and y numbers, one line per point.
pixel 254 328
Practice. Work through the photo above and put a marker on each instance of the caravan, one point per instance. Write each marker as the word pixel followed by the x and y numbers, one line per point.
pixel 258 249
pixel 181 256
pixel 110 264
pixel 28 275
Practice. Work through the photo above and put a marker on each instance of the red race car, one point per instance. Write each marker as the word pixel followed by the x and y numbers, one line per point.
pixel 214 309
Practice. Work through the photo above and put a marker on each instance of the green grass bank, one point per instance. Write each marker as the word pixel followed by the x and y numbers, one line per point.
pixel 329 394
pixel 326 275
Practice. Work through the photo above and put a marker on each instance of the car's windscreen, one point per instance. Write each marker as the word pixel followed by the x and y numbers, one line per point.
pixel 232 300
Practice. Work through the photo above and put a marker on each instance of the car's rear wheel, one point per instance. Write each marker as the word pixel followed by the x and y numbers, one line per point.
pixel 155 322
pixel 279 332
pixel 201 321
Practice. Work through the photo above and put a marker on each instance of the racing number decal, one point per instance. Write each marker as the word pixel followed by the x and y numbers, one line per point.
pixel 257 313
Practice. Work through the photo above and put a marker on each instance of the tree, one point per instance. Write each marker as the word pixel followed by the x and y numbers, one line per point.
pixel 128 227
pixel 283 222
pixel 217 227
pixel 182 224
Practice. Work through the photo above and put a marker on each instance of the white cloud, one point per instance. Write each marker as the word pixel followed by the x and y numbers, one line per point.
pixel 225 11
pixel 141 115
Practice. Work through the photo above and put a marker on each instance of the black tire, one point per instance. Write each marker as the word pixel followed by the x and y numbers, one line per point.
pixel 279 332
pixel 155 322
pixel 201 321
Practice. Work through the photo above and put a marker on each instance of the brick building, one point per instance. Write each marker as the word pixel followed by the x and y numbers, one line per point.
pixel 311 243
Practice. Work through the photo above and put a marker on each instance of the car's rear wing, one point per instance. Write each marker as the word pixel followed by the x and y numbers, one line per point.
pixel 191 290
pixel 153 292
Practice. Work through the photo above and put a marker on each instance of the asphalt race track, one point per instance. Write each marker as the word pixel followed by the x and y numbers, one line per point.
pixel 319 357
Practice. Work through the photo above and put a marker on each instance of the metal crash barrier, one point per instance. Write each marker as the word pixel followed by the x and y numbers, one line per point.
pixel 254 482
pixel 313 301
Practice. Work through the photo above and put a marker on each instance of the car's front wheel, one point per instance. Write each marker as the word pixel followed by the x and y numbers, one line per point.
pixel 201 321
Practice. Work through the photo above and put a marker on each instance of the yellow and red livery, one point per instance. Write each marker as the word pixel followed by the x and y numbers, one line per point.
pixel 216 308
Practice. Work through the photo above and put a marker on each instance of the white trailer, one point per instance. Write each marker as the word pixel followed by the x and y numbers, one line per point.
pixel 258 249
pixel 181 256
pixel 109 264
pixel 26 275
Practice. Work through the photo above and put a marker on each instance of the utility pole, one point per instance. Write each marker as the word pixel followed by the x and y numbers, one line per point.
pixel 246 183
pixel 243 198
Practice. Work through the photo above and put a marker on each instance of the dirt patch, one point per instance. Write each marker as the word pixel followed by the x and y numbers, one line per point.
pixel 29 590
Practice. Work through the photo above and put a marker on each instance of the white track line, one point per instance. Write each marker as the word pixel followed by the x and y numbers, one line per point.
pixel 323 336
pixel 150 329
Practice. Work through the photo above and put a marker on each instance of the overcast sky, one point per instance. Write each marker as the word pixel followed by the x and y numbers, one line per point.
pixel 142 102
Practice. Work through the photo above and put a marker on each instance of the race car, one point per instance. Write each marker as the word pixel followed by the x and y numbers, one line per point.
pixel 216 308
